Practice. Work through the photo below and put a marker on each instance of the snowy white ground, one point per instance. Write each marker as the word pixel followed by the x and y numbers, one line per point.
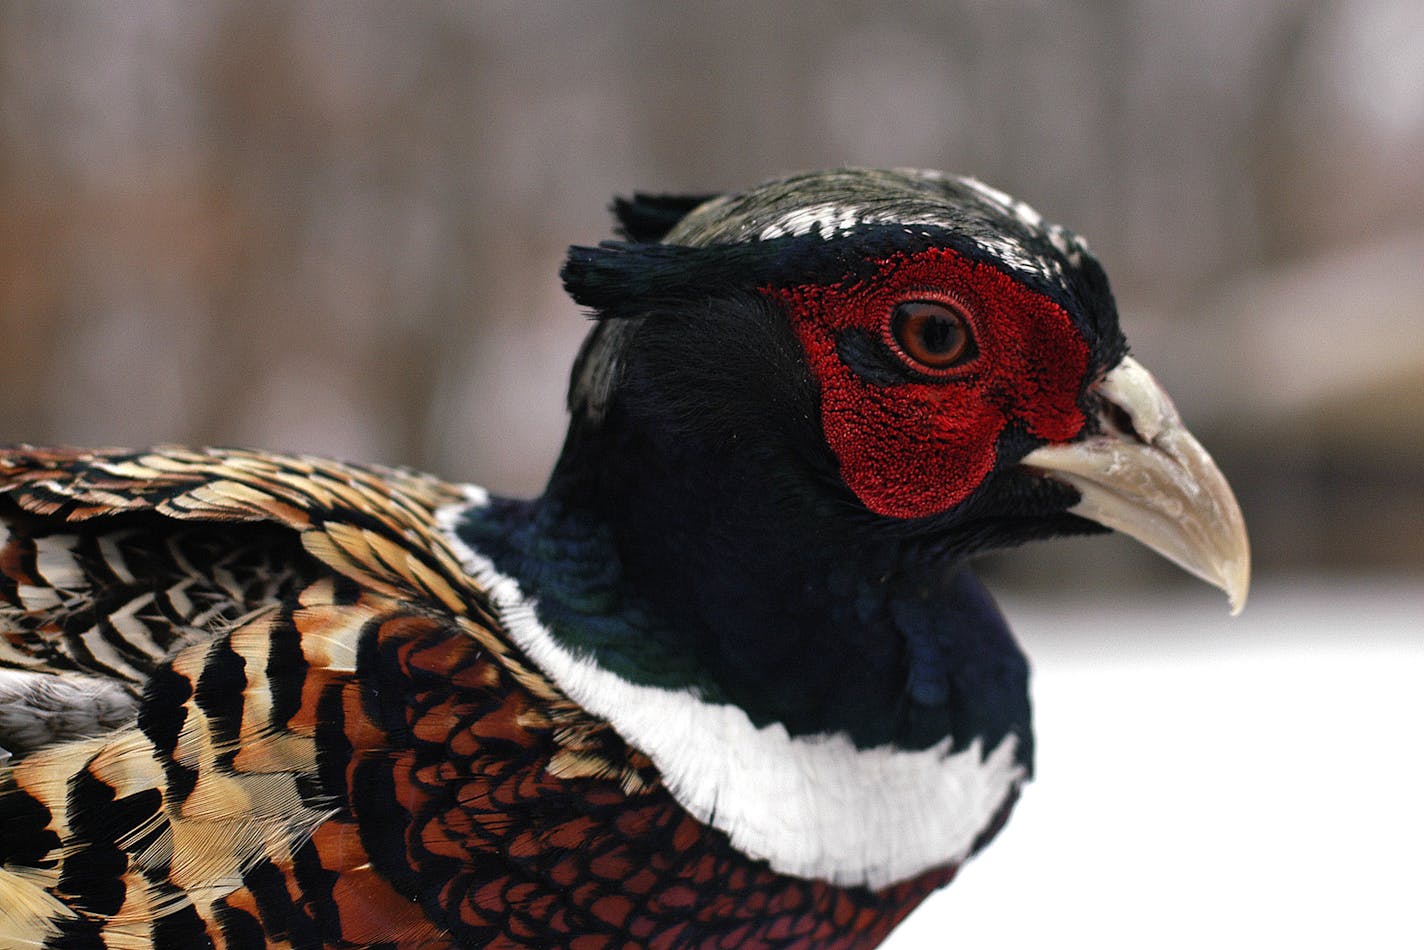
pixel 1207 781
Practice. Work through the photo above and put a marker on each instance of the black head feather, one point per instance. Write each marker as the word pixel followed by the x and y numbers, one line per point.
pixel 648 218
pixel 827 227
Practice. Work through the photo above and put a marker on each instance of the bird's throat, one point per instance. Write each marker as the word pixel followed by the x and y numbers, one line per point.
pixel 688 583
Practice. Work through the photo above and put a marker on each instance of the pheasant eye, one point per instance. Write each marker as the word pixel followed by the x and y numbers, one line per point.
pixel 930 334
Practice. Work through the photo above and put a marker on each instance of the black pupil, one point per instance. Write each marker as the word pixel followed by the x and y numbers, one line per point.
pixel 939 335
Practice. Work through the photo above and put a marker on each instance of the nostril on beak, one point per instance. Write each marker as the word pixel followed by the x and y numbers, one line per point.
pixel 1119 421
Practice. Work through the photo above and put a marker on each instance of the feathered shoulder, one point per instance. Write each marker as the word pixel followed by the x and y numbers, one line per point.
pixel 377 528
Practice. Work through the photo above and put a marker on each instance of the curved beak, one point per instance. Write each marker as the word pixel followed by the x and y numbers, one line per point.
pixel 1142 473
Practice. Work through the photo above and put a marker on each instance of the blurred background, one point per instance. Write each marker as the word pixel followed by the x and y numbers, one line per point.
pixel 336 228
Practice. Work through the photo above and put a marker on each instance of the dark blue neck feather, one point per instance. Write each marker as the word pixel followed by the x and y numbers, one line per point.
pixel 691 567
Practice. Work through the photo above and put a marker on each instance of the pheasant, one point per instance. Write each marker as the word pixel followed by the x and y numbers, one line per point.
pixel 727 683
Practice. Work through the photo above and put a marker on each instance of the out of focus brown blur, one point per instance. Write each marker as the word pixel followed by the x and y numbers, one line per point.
pixel 336 228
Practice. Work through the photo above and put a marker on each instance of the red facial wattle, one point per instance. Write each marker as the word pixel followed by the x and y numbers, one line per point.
pixel 917 448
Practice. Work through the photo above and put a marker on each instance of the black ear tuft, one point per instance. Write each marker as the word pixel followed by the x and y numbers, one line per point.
pixel 615 275
pixel 587 276
pixel 623 279
pixel 648 218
